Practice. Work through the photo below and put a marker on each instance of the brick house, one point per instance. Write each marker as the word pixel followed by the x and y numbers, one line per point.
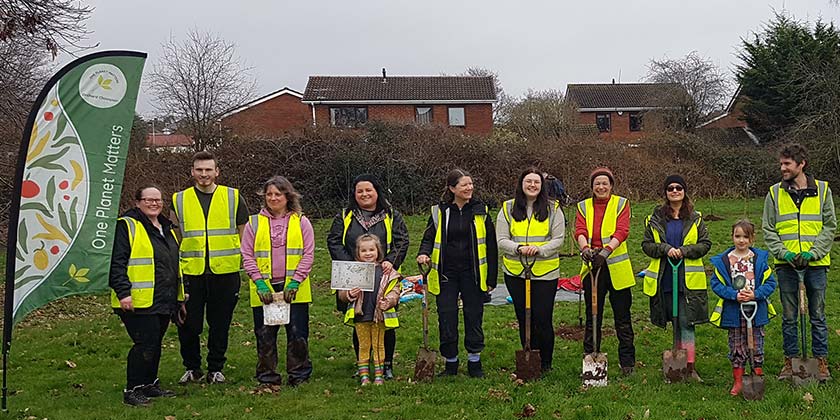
pixel 273 114
pixel 169 141
pixel 730 123
pixel 617 110
pixel 350 101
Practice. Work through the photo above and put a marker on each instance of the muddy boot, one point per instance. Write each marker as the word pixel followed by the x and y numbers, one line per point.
pixel 298 364
pixel 450 369
pixel 787 370
pixel 738 375
pixel 823 364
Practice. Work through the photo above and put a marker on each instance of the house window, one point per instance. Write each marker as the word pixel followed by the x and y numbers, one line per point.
pixel 602 120
pixel 456 117
pixel 349 116
pixel 423 115
pixel 635 121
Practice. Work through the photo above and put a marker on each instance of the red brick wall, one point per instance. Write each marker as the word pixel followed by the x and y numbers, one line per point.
pixel 733 120
pixel 478 118
pixel 619 126
pixel 276 116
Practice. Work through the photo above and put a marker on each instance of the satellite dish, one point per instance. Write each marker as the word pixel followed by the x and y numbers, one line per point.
pixel 620 112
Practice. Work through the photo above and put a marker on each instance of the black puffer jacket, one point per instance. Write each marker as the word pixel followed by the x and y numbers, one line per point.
pixel 166 264
pixel 346 251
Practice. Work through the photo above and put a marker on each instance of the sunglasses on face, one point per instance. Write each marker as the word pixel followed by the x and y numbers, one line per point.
pixel 672 188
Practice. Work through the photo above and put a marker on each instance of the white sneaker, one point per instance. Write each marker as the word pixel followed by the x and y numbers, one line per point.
pixel 215 378
pixel 190 376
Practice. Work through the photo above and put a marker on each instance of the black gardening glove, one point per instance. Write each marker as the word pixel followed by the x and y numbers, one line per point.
pixel 588 254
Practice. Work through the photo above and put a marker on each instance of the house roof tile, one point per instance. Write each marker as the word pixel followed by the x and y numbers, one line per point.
pixel 626 95
pixel 400 88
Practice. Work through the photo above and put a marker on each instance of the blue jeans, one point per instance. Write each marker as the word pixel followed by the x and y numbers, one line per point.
pixel 815 283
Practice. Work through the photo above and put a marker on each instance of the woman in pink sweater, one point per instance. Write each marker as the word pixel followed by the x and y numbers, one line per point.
pixel 278 248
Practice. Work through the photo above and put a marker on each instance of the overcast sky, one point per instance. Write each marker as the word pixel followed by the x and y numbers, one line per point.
pixel 531 44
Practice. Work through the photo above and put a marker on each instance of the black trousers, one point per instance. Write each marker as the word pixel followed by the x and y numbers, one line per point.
pixel 218 294
pixel 390 335
pixel 461 284
pixel 146 331
pixel 620 301
pixel 298 364
pixel 542 314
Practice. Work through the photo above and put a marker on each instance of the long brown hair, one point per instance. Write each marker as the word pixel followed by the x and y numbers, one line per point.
pixel 520 203
pixel 452 180
pixel 686 209
pixel 286 188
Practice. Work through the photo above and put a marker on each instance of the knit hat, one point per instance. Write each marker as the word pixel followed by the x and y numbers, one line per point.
pixel 601 171
pixel 674 179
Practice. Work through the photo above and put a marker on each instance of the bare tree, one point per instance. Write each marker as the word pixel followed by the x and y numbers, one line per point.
pixel 707 86
pixel 50 25
pixel 501 96
pixel 540 114
pixel 198 80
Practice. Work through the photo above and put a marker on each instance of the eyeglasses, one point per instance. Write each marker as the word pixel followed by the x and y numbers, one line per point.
pixel 151 200
pixel 673 188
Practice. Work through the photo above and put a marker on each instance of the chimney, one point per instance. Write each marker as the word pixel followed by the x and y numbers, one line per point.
pixel 384 76
pixel 613 80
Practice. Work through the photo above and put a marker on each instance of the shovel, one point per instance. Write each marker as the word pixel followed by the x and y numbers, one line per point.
pixel 753 385
pixel 528 365
pixel 805 370
pixel 594 371
pixel 424 367
pixel 675 360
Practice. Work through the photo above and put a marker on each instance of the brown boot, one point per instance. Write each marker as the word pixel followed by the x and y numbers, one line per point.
pixel 824 373
pixel 787 370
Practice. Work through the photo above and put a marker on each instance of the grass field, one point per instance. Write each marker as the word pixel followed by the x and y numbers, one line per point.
pixel 68 362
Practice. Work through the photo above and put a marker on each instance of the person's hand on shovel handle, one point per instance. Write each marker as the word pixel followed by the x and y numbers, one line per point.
pixel 528 250
pixel 746 295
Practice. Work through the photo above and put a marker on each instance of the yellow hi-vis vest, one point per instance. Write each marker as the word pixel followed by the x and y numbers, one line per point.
pixel 798 228
pixel 217 230
pixel 389 226
pixel 695 274
pixel 481 245
pixel 141 267
pixel 294 252
pixel 718 312
pixel 621 271
pixel 530 232
pixel 391 320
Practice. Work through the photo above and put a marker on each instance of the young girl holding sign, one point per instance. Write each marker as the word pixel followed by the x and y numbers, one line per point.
pixel 372 312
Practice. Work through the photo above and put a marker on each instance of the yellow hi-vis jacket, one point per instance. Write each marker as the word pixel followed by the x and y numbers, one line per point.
pixel 217 231
pixel 530 232
pixel 391 320
pixel 294 252
pixel 481 245
pixel 141 267
pixel 621 271
pixel 798 227
pixel 695 274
